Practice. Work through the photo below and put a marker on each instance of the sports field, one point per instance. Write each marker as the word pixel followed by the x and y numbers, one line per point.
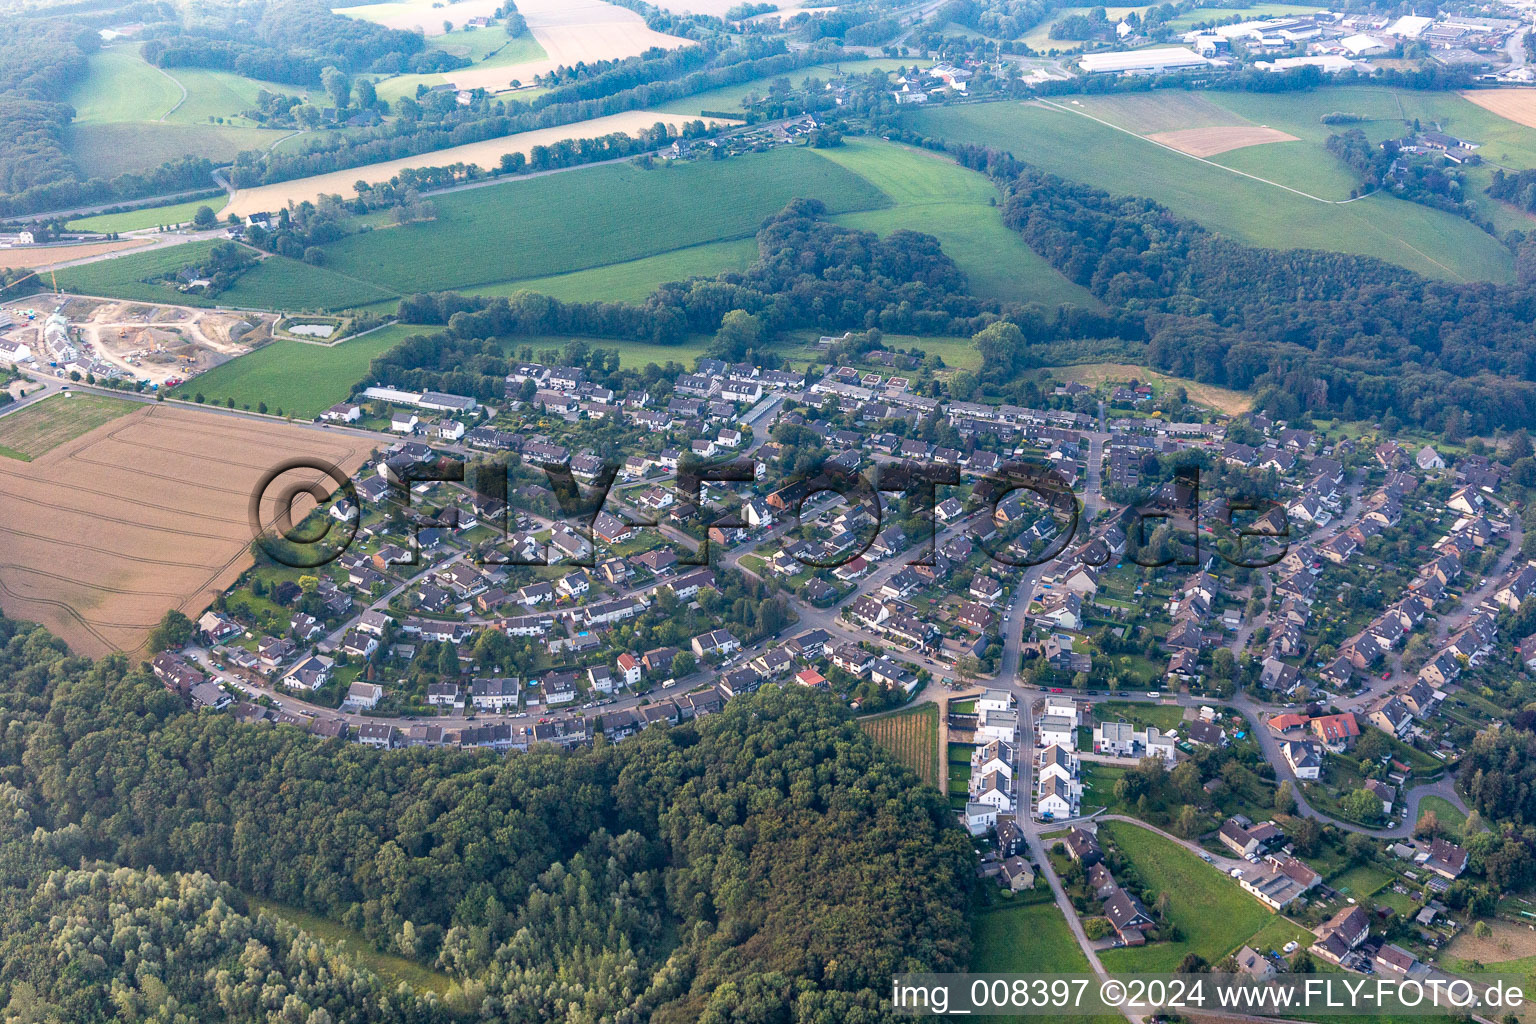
pixel 295 378
pixel 593 217
pixel 1062 139
pixel 41 427
pixel 933 194
pixel 913 736
pixel 147 512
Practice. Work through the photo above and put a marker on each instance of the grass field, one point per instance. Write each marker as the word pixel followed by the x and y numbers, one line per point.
pixel 1361 880
pixel 1233 403
pixel 120 86
pixel 276 283
pixel 1449 815
pixel 301 379
pixel 1205 15
pixel 1162 716
pixel 592 218
pixel 913 736
pixel 1213 914
pixel 1068 143
pixel 1031 939
pixel 934 195
pixel 43 426
pixel 109 149
pixel 634 280
pixel 281 283
pixel 150 217
pixel 387 965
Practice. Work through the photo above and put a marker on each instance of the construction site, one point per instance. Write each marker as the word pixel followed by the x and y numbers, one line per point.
pixel 156 343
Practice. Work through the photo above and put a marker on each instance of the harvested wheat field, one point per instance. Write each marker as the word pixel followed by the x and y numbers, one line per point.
pixel 1517 105
pixel 106 532
pixel 1211 141
pixel 49 255
pixel 486 154
pixel 571 32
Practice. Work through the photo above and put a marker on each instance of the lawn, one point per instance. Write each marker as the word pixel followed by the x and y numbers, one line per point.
pixel 387 965
pixel 1448 814
pixel 1059 140
pixel 593 217
pixel 1099 786
pixel 1361 880
pixel 913 736
pixel 1212 913
pixel 41 427
pixel 933 194
pixel 149 217
pixel 1166 717
pixel 301 379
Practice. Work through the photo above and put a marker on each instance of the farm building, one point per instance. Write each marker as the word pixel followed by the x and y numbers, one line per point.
pixel 1142 62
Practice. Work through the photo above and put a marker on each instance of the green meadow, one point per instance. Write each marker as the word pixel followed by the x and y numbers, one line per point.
pixel 149 217
pixel 301 379
pixel 1066 142
pixel 932 194
pixel 594 217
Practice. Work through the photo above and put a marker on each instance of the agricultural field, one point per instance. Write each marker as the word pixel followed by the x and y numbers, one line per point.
pixel 1213 914
pixel 277 282
pixel 43 256
pixel 932 194
pixel 487 47
pixel 107 150
pixel 38 429
pixel 633 280
pixel 485 154
pixel 133 116
pixel 913 736
pixel 296 378
pixel 1068 138
pixel 149 217
pixel 145 513
pixel 593 217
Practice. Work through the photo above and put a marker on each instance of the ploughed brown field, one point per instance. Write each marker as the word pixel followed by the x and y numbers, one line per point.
pixel 102 535
pixel 1213 140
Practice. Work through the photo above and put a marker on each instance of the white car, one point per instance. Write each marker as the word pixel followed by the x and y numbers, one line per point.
pixel 1237 872
pixel 1153 694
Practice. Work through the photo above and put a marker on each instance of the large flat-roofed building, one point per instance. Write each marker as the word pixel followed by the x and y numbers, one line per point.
pixel 1162 58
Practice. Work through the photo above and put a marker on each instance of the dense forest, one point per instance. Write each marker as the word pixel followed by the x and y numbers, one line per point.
pixel 768 863
pixel 1306 330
